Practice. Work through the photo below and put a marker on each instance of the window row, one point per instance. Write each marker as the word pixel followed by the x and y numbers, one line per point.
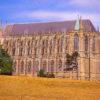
pixel 31 68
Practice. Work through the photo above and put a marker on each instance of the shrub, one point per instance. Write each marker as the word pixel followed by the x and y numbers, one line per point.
pixel 7 70
pixel 50 75
pixel 41 73
pixel 5 62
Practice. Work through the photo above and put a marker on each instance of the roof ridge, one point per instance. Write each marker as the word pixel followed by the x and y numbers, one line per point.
pixel 48 26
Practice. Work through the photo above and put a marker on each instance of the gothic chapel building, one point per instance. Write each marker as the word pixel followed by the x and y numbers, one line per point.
pixel 44 46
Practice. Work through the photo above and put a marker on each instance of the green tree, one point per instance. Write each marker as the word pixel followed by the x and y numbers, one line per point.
pixel 71 61
pixel 5 62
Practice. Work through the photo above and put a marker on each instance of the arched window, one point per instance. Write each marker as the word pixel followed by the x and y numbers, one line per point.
pixel 35 51
pixel 14 67
pixel 43 47
pixel 51 47
pixel 76 42
pixel 44 67
pixel 13 51
pixel 36 66
pixel 36 42
pixel 52 66
pixel 59 65
pixel 93 44
pixel 20 51
pixel 58 47
pixel 46 46
pixel 86 43
pixel 28 49
pixel 6 43
pixel 22 67
pixel 21 48
pixel 67 43
pixel 29 67
pixel 61 44
pixel 54 43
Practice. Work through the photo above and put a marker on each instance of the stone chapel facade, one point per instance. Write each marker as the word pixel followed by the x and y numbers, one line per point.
pixel 44 46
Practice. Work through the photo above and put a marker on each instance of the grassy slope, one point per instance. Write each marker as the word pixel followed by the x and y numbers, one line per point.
pixel 29 88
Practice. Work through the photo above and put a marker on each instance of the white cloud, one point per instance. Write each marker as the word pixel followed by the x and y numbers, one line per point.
pixel 59 16
pixel 85 3
pixel 47 15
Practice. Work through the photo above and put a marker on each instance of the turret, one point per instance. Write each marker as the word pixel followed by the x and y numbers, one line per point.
pixel 81 25
pixel 78 25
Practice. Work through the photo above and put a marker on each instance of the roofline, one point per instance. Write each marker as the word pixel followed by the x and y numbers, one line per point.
pixel 25 23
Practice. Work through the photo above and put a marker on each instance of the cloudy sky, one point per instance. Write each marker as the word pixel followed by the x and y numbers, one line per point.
pixel 24 11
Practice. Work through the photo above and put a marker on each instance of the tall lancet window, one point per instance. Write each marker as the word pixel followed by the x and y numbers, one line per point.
pixel 76 42
pixel 14 66
pixel 93 45
pixel 28 49
pixel 86 43
pixel 22 67
pixel 13 49
pixel 29 67
pixel 21 48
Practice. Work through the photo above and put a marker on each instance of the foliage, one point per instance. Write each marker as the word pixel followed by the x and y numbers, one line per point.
pixel 75 55
pixel 5 62
pixel 50 75
pixel 41 73
pixel 71 60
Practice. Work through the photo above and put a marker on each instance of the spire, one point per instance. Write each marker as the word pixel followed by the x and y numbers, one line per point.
pixel 77 24
pixel 81 25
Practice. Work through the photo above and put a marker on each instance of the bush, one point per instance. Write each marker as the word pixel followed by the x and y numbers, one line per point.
pixel 41 73
pixel 50 75
pixel 7 70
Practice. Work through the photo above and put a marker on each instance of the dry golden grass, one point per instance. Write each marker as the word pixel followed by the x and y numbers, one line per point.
pixel 29 88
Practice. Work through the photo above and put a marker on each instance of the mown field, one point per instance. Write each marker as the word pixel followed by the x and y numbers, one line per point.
pixel 29 88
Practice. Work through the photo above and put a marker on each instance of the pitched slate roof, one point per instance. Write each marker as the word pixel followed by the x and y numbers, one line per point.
pixel 33 28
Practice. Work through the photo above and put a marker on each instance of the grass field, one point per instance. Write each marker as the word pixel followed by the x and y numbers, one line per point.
pixel 29 88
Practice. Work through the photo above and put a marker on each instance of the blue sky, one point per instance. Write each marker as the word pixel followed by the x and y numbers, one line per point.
pixel 26 11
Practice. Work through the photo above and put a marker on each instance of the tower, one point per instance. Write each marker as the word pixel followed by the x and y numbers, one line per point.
pixel 79 30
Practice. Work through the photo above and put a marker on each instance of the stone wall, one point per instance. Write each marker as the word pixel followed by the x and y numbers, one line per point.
pixel 34 52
